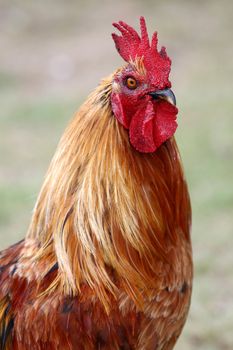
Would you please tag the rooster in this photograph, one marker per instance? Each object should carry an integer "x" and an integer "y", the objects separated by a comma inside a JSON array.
[{"x": 107, "y": 260}]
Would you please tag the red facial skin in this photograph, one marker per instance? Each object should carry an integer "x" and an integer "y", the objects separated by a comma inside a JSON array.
[{"x": 150, "y": 122}]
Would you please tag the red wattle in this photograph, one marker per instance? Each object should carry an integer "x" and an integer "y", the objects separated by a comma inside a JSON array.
[
  {"x": 165, "y": 123},
  {"x": 141, "y": 129},
  {"x": 152, "y": 125}
]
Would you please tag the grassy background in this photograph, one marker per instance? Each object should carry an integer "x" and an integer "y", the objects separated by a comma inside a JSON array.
[{"x": 53, "y": 53}]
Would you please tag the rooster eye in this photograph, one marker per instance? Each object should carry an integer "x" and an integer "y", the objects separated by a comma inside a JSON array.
[{"x": 131, "y": 83}]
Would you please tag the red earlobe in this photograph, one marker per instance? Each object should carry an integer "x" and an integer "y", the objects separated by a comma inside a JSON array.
[{"x": 118, "y": 110}]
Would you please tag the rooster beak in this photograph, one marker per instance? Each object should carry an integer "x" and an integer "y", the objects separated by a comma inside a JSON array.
[{"x": 166, "y": 94}]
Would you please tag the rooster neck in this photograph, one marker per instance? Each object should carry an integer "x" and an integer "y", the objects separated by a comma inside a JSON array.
[{"x": 104, "y": 205}]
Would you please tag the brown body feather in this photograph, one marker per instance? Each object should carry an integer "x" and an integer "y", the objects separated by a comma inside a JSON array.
[{"x": 107, "y": 260}]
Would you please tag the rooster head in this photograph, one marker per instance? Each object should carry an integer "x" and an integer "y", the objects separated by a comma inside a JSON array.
[{"x": 141, "y": 98}]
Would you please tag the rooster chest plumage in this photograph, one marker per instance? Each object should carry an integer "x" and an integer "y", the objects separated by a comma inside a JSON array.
[{"x": 32, "y": 318}]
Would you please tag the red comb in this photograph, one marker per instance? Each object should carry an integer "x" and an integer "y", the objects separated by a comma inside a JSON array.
[{"x": 130, "y": 46}]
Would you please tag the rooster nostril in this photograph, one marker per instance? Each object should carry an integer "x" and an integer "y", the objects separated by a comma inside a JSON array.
[{"x": 166, "y": 94}]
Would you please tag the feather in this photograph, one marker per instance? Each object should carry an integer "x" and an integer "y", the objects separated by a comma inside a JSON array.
[{"x": 107, "y": 260}]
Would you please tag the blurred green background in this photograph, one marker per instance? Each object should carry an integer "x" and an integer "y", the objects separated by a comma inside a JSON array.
[{"x": 53, "y": 53}]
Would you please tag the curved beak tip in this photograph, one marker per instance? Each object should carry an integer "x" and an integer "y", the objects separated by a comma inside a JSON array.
[{"x": 166, "y": 94}]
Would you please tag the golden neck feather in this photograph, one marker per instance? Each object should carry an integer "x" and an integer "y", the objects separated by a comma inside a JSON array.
[{"x": 104, "y": 205}]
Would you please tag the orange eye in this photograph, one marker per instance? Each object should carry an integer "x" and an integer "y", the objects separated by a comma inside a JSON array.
[{"x": 131, "y": 83}]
